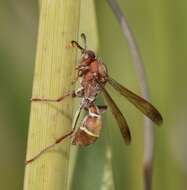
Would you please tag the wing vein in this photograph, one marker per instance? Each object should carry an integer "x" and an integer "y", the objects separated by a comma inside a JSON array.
[{"x": 143, "y": 105}]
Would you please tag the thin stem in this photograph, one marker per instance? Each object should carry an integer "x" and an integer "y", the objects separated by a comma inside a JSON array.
[{"x": 140, "y": 70}]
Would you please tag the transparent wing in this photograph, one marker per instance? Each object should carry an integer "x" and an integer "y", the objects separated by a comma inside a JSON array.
[
  {"x": 122, "y": 123},
  {"x": 144, "y": 106}
]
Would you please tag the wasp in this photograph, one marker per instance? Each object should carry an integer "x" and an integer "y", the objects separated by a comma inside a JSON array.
[{"x": 93, "y": 77}]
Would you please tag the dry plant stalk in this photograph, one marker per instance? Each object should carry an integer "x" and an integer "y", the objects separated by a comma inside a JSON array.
[
  {"x": 54, "y": 73},
  {"x": 140, "y": 70}
]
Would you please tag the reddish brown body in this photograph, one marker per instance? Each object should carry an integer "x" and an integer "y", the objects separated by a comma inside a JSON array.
[
  {"x": 90, "y": 128},
  {"x": 90, "y": 71}
]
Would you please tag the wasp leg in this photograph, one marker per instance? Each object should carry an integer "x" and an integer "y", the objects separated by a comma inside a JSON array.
[
  {"x": 102, "y": 108},
  {"x": 54, "y": 100},
  {"x": 79, "y": 92},
  {"x": 59, "y": 140},
  {"x": 50, "y": 146}
]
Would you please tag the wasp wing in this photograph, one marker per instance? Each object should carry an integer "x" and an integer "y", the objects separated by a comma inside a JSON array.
[
  {"x": 143, "y": 105},
  {"x": 122, "y": 123}
]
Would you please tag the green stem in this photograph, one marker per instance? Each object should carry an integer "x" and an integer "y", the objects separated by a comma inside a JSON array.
[{"x": 54, "y": 72}]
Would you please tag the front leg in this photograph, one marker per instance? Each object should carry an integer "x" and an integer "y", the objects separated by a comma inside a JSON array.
[
  {"x": 79, "y": 92},
  {"x": 82, "y": 69}
]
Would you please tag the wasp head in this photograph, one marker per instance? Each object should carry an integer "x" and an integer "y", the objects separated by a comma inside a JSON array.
[{"x": 88, "y": 55}]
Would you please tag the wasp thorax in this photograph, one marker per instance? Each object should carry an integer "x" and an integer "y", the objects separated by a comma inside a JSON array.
[{"x": 88, "y": 54}]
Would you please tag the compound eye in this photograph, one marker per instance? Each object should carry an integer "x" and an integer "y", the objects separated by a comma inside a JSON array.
[{"x": 86, "y": 56}]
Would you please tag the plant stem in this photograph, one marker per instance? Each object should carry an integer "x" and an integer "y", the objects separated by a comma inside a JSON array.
[
  {"x": 140, "y": 70},
  {"x": 54, "y": 73}
]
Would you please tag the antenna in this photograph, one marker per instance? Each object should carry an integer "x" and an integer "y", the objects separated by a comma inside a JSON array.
[{"x": 83, "y": 36}]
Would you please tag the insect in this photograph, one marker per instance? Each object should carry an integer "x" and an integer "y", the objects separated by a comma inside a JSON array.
[{"x": 93, "y": 76}]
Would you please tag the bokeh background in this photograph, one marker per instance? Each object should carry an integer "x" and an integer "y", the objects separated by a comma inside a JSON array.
[{"x": 160, "y": 28}]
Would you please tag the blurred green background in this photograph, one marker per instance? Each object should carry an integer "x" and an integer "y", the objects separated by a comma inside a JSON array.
[{"x": 160, "y": 28}]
